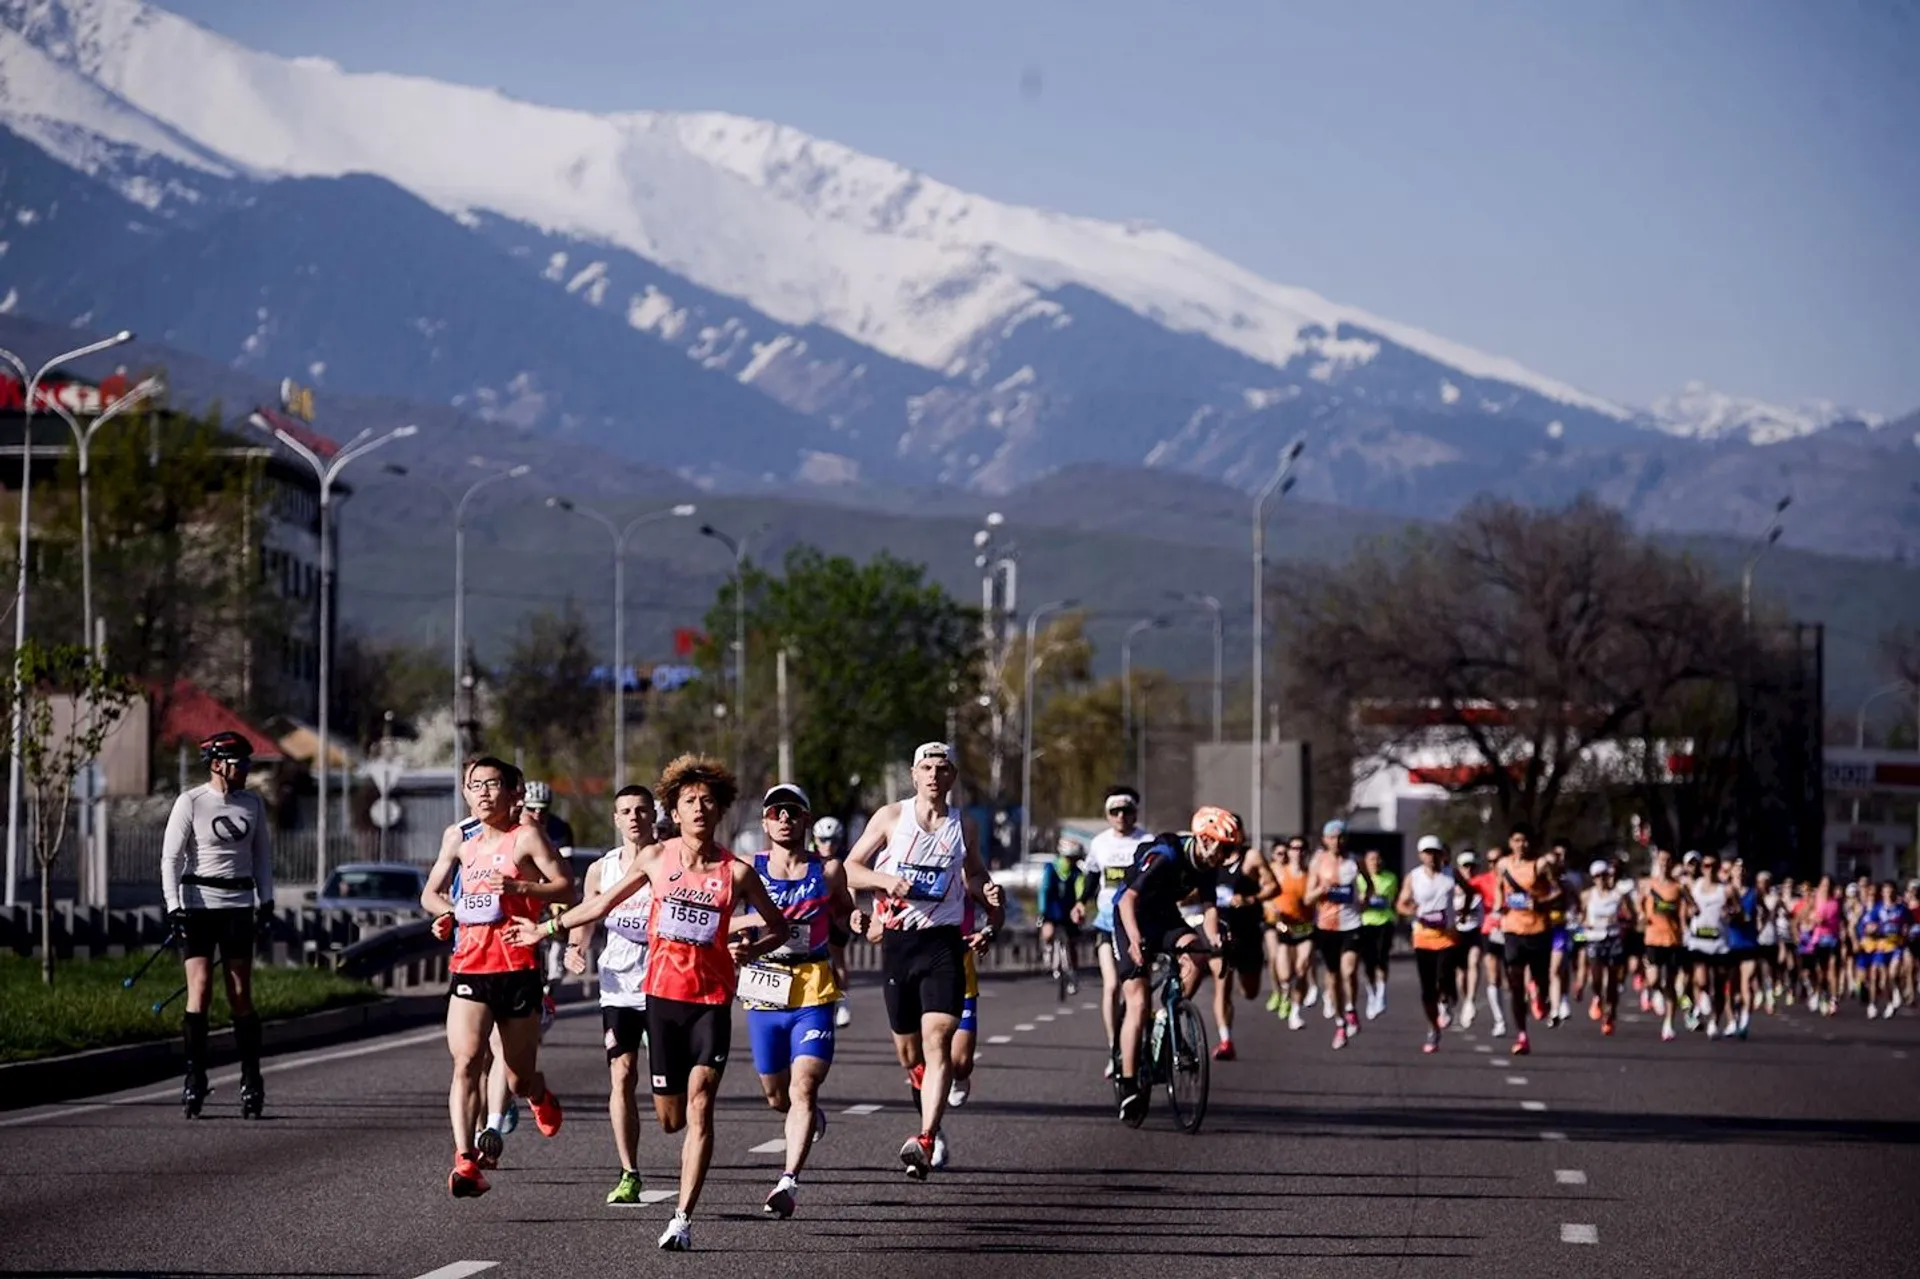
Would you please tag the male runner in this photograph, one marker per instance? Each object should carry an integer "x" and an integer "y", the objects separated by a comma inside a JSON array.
[
  {"x": 1335, "y": 889},
  {"x": 623, "y": 971},
  {"x": 830, "y": 841},
  {"x": 506, "y": 870},
  {"x": 1109, "y": 857},
  {"x": 1487, "y": 884},
  {"x": 1147, "y": 922},
  {"x": 1709, "y": 917},
  {"x": 691, "y": 978},
  {"x": 791, "y": 993},
  {"x": 1290, "y": 934},
  {"x": 1243, "y": 885},
  {"x": 1376, "y": 929},
  {"x": 1662, "y": 903},
  {"x": 216, "y": 874},
  {"x": 1605, "y": 907},
  {"x": 1062, "y": 903},
  {"x": 536, "y": 804},
  {"x": 1529, "y": 891},
  {"x": 923, "y": 865},
  {"x": 1469, "y": 918},
  {"x": 1427, "y": 898}
]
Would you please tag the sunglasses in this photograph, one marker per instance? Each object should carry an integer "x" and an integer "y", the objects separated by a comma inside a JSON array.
[
  {"x": 1124, "y": 808},
  {"x": 788, "y": 812}
]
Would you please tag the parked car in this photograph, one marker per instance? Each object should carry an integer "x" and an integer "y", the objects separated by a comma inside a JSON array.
[{"x": 392, "y": 887}]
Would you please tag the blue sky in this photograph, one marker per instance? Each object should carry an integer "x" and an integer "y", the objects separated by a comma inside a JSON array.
[{"x": 1625, "y": 195}]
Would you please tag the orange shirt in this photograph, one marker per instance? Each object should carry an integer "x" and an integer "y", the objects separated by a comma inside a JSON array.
[
  {"x": 1663, "y": 913},
  {"x": 688, "y": 960},
  {"x": 483, "y": 911},
  {"x": 1521, "y": 882},
  {"x": 1290, "y": 907}
]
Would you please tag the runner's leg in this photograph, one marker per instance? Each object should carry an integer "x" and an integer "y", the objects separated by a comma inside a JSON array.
[{"x": 468, "y": 1024}]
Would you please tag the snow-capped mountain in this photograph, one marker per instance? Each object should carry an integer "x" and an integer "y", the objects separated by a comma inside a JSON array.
[{"x": 735, "y": 298}]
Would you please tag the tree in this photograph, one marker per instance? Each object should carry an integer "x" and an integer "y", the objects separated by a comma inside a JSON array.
[
  {"x": 371, "y": 678},
  {"x": 68, "y": 706},
  {"x": 877, "y": 659},
  {"x": 549, "y": 703},
  {"x": 1523, "y": 645}
]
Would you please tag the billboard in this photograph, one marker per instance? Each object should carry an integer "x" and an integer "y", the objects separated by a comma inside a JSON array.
[{"x": 1223, "y": 775}]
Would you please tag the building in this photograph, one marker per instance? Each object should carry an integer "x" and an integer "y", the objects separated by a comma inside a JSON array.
[
  {"x": 1872, "y": 812},
  {"x": 276, "y": 669}
]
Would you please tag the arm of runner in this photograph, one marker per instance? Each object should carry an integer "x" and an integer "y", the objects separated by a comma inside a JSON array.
[
  {"x": 1264, "y": 876},
  {"x": 861, "y": 877},
  {"x": 581, "y": 936},
  {"x": 981, "y": 885},
  {"x": 556, "y": 884},
  {"x": 1403, "y": 906},
  {"x": 748, "y": 885},
  {"x": 433, "y": 898},
  {"x": 1316, "y": 884},
  {"x": 173, "y": 851},
  {"x": 839, "y": 896}
]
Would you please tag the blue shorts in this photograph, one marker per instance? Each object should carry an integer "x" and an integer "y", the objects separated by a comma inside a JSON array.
[
  {"x": 1559, "y": 941},
  {"x": 969, "y": 1015},
  {"x": 780, "y": 1035}
]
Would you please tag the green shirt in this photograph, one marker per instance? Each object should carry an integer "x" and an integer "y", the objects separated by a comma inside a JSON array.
[{"x": 1377, "y": 907}]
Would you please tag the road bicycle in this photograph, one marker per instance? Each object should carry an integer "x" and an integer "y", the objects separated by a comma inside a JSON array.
[
  {"x": 1175, "y": 1052},
  {"x": 1060, "y": 964}
]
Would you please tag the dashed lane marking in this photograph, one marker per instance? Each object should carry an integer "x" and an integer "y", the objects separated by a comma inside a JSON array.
[
  {"x": 459, "y": 1269},
  {"x": 1484, "y": 1048},
  {"x": 1065, "y": 1011},
  {"x": 1044, "y": 1017},
  {"x": 1518, "y": 1081},
  {"x": 1550, "y": 1135},
  {"x": 1090, "y": 1008},
  {"x": 864, "y": 1108},
  {"x": 1569, "y": 1177},
  {"x": 648, "y": 1198},
  {"x": 999, "y": 1039},
  {"x": 1025, "y": 1025},
  {"x": 1572, "y": 1232},
  {"x": 776, "y": 1146},
  {"x": 1535, "y": 1106}
]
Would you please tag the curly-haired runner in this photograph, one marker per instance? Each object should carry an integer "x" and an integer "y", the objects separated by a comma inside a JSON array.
[{"x": 691, "y": 975}]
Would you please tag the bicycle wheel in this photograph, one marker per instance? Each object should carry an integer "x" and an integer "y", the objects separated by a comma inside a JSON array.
[
  {"x": 1186, "y": 1051},
  {"x": 1063, "y": 968}
]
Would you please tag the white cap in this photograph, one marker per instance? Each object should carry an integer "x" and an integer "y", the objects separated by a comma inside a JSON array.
[
  {"x": 933, "y": 750},
  {"x": 1431, "y": 844},
  {"x": 785, "y": 793},
  {"x": 1601, "y": 866}
]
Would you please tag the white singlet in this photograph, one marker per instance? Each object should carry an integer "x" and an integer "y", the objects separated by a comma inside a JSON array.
[
  {"x": 1341, "y": 901},
  {"x": 1433, "y": 900},
  {"x": 1707, "y": 933},
  {"x": 1109, "y": 854},
  {"x": 623, "y": 962},
  {"x": 216, "y": 837},
  {"x": 1603, "y": 912},
  {"x": 933, "y": 863}
]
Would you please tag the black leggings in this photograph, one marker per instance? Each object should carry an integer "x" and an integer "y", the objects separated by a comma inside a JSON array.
[{"x": 1439, "y": 975}]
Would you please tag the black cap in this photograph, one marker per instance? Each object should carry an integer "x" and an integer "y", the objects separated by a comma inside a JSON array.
[{"x": 226, "y": 745}]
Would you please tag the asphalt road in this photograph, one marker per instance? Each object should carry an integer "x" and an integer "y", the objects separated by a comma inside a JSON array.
[{"x": 1794, "y": 1153}]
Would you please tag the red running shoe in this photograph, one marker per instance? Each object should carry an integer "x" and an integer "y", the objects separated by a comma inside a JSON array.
[
  {"x": 1223, "y": 1051},
  {"x": 466, "y": 1180},
  {"x": 546, "y": 1113},
  {"x": 917, "y": 1077},
  {"x": 1606, "y": 1027},
  {"x": 1520, "y": 1048}
]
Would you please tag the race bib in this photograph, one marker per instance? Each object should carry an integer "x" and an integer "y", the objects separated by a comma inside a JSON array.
[
  {"x": 1223, "y": 896},
  {"x": 1340, "y": 894},
  {"x": 1519, "y": 901},
  {"x": 1435, "y": 919},
  {"x": 1661, "y": 906},
  {"x": 1115, "y": 876},
  {"x": 1376, "y": 902},
  {"x": 1707, "y": 934},
  {"x": 927, "y": 883},
  {"x": 695, "y": 923},
  {"x": 481, "y": 905},
  {"x": 630, "y": 924},
  {"x": 765, "y": 984}
]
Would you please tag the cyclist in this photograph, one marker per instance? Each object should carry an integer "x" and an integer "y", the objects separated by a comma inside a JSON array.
[
  {"x": 216, "y": 875},
  {"x": 1063, "y": 894},
  {"x": 495, "y": 978},
  {"x": 1147, "y": 923},
  {"x": 623, "y": 975},
  {"x": 791, "y": 992},
  {"x": 923, "y": 865},
  {"x": 830, "y": 841},
  {"x": 1109, "y": 858},
  {"x": 691, "y": 961},
  {"x": 1376, "y": 929}
]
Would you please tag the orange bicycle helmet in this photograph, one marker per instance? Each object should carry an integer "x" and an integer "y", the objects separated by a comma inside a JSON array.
[{"x": 1220, "y": 826}]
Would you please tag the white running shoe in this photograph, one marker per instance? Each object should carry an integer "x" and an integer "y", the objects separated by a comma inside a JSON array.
[
  {"x": 1566, "y": 1009},
  {"x": 1466, "y": 1014},
  {"x": 1499, "y": 1028},
  {"x": 1667, "y": 1032},
  {"x": 939, "y": 1150},
  {"x": 1294, "y": 1020},
  {"x": 961, "y": 1089},
  {"x": 1660, "y": 1002},
  {"x": 1872, "y": 1012},
  {"x": 1713, "y": 1029},
  {"x": 1313, "y": 995},
  {"x": 679, "y": 1235},
  {"x": 844, "y": 1015}
]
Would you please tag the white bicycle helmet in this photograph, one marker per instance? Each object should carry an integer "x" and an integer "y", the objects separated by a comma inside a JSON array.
[
  {"x": 538, "y": 795},
  {"x": 827, "y": 830}
]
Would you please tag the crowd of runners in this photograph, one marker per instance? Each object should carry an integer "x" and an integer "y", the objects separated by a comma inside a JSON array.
[{"x": 689, "y": 928}]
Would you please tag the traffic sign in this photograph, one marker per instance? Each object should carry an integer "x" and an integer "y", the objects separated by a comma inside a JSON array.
[
  {"x": 383, "y": 773},
  {"x": 385, "y": 813}
]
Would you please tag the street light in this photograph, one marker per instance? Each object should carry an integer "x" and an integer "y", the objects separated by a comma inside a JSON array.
[
  {"x": 460, "y": 610},
  {"x": 997, "y": 563},
  {"x": 1026, "y": 726},
  {"x": 326, "y": 472},
  {"x": 1860, "y": 721},
  {"x": 14, "y": 761},
  {"x": 1767, "y": 538},
  {"x": 739, "y": 549},
  {"x": 1126, "y": 671},
  {"x": 1262, "y": 510},
  {"x": 620, "y": 537},
  {"x": 1212, "y": 605}
]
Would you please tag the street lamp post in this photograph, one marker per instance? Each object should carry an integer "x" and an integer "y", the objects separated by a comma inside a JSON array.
[
  {"x": 1026, "y": 725},
  {"x": 1767, "y": 538},
  {"x": 739, "y": 549},
  {"x": 1212, "y": 605},
  {"x": 1860, "y": 721},
  {"x": 15, "y": 762},
  {"x": 998, "y": 565},
  {"x": 1126, "y": 672},
  {"x": 326, "y": 471},
  {"x": 460, "y": 712},
  {"x": 620, "y": 537},
  {"x": 1275, "y": 489}
]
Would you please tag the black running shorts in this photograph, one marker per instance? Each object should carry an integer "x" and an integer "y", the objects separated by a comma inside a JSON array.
[
  {"x": 624, "y": 1027},
  {"x": 1533, "y": 952},
  {"x": 1610, "y": 952},
  {"x": 926, "y": 972},
  {"x": 681, "y": 1036},
  {"x": 1158, "y": 937},
  {"x": 1376, "y": 944},
  {"x": 507, "y": 995},
  {"x": 228, "y": 930},
  {"x": 1439, "y": 973},
  {"x": 1332, "y": 943}
]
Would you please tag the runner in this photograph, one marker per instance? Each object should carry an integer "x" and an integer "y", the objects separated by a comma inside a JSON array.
[
  {"x": 1663, "y": 903},
  {"x": 1743, "y": 946},
  {"x": 216, "y": 876},
  {"x": 1428, "y": 899},
  {"x": 1487, "y": 884},
  {"x": 830, "y": 841},
  {"x": 1064, "y": 890},
  {"x": 691, "y": 972},
  {"x": 1335, "y": 890},
  {"x": 1604, "y": 909},
  {"x": 495, "y": 979},
  {"x": 1148, "y": 923},
  {"x": 1529, "y": 892},
  {"x": 1823, "y": 926},
  {"x": 623, "y": 972},
  {"x": 1882, "y": 933},
  {"x": 1708, "y": 916},
  {"x": 923, "y": 865},
  {"x": 1243, "y": 884},
  {"x": 1559, "y": 1004},
  {"x": 1376, "y": 930},
  {"x": 1290, "y": 935},
  {"x": 1109, "y": 857},
  {"x": 791, "y": 993},
  {"x": 1470, "y": 919}
]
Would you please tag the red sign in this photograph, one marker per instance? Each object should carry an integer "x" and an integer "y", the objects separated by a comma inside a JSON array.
[
  {"x": 685, "y": 640},
  {"x": 320, "y": 444},
  {"x": 82, "y": 399}
]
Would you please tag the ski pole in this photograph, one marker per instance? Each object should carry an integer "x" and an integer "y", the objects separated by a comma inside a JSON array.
[{"x": 128, "y": 983}]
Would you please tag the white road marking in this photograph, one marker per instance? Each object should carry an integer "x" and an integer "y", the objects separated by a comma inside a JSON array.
[
  {"x": 1518, "y": 1081},
  {"x": 864, "y": 1108},
  {"x": 1484, "y": 1048},
  {"x": 1535, "y": 1106},
  {"x": 294, "y": 1062},
  {"x": 648, "y": 1198},
  {"x": 1066, "y": 1012},
  {"x": 1553, "y": 1136},
  {"x": 1094, "y": 1008},
  {"x": 1044, "y": 1017},
  {"x": 1569, "y": 1177},
  {"x": 459, "y": 1270},
  {"x": 777, "y": 1145},
  {"x": 999, "y": 1039},
  {"x": 1899, "y": 1054},
  {"x": 1571, "y": 1232},
  {"x": 1025, "y": 1025}
]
